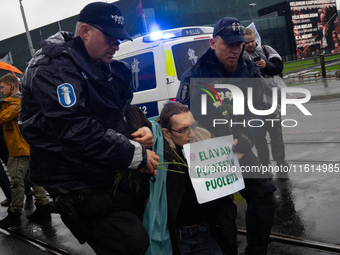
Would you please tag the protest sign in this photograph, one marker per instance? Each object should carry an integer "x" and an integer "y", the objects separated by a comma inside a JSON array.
[{"x": 214, "y": 169}]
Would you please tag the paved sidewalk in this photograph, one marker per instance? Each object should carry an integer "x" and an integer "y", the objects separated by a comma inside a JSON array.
[{"x": 320, "y": 92}]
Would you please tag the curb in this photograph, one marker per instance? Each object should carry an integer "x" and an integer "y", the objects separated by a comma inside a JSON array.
[
  {"x": 322, "y": 96},
  {"x": 325, "y": 96}
]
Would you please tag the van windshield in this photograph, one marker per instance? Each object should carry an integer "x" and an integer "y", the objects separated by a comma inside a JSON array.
[{"x": 187, "y": 54}]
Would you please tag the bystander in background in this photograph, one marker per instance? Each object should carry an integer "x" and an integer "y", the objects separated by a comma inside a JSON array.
[
  {"x": 270, "y": 64},
  {"x": 18, "y": 161}
]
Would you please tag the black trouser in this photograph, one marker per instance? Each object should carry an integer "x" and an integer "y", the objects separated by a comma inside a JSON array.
[
  {"x": 258, "y": 193},
  {"x": 113, "y": 227},
  {"x": 276, "y": 141},
  {"x": 118, "y": 233}
]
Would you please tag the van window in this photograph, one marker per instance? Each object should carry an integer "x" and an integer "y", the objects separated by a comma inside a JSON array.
[
  {"x": 187, "y": 54},
  {"x": 143, "y": 71}
]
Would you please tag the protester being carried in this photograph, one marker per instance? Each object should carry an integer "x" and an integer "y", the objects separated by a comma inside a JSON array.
[{"x": 213, "y": 223}]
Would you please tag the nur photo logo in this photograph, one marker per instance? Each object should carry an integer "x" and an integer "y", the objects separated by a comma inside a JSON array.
[{"x": 231, "y": 100}]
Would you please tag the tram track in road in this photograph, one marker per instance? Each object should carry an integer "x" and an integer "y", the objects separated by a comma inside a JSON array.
[
  {"x": 300, "y": 242},
  {"x": 289, "y": 241},
  {"x": 41, "y": 245},
  {"x": 49, "y": 249}
]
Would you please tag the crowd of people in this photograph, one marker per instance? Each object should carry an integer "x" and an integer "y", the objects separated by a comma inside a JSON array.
[{"x": 78, "y": 138}]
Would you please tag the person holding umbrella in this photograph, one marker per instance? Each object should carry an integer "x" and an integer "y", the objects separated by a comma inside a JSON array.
[{"x": 6, "y": 68}]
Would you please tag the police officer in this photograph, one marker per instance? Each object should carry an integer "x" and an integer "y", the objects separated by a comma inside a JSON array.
[
  {"x": 74, "y": 117},
  {"x": 224, "y": 60}
]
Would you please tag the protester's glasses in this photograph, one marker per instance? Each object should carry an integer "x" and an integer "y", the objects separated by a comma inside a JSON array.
[
  {"x": 231, "y": 30},
  {"x": 185, "y": 130},
  {"x": 115, "y": 42}
]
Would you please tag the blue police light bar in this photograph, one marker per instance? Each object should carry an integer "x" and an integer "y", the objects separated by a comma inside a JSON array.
[
  {"x": 154, "y": 36},
  {"x": 158, "y": 35},
  {"x": 168, "y": 36},
  {"x": 175, "y": 33}
]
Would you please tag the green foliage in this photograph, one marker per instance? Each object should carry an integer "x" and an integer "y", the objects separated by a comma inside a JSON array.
[
  {"x": 130, "y": 177},
  {"x": 329, "y": 68},
  {"x": 296, "y": 65}
]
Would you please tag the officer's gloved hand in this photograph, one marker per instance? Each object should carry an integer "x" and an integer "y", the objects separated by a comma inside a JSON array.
[{"x": 243, "y": 145}]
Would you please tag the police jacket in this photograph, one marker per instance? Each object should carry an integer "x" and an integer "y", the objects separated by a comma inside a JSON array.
[
  {"x": 15, "y": 143},
  {"x": 208, "y": 66},
  {"x": 222, "y": 212},
  {"x": 73, "y": 117}
]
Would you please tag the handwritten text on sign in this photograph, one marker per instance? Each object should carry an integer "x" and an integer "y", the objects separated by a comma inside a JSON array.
[{"x": 214, "y": 169}]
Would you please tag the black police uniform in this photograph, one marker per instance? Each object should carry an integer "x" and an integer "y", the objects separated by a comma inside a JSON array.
[
  {"x": 259, "y": 189},
  {"x": 74, "y": 118}
]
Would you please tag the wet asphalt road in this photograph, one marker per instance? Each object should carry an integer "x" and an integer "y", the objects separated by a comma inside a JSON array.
[{"x": 307, "y": 204}]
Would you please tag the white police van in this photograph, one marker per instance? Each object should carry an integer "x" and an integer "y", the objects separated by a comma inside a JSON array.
[{"x": 158, "y": 60}]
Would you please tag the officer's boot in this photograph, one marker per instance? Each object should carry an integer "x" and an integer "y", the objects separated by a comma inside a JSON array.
[
  {"x": 12, "y": 220},
  {"x": 39, "y": 213}
]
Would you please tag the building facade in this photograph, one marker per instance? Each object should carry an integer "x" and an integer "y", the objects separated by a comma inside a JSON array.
[{"x": 271, "y": 17}]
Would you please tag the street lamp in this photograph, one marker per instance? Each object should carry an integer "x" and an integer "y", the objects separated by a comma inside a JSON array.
[
  {"x": 251, "y": 5},
  {"x": 27, "y": 31}
]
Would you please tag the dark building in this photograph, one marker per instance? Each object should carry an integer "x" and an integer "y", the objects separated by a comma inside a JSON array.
[
  {"x": 271, "y": 17},
  {"x": 313, "y": 26}
]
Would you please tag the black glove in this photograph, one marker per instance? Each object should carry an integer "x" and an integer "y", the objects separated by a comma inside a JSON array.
[{"x": 243, "y": 145}]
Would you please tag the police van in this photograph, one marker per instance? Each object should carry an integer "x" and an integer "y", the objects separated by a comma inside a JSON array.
[{"x": 158, "y": 60}]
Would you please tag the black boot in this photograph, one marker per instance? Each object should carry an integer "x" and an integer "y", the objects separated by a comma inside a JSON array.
[
  {"x": 39, "y": 213},
  {"x": 12, "y": 220}
]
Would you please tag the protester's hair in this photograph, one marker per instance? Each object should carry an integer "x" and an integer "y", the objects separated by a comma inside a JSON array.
[
  {"x": 249, "y": 31},
  {"x": 170, "y": 109},
  {"x": 10, "y": 79}
]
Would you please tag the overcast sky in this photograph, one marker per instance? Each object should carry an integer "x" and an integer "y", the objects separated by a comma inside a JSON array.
[{"x": 40, "y": 12}]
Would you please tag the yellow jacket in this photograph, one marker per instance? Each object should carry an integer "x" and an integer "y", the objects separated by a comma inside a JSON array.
[{"x": 9, "y": 114}]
